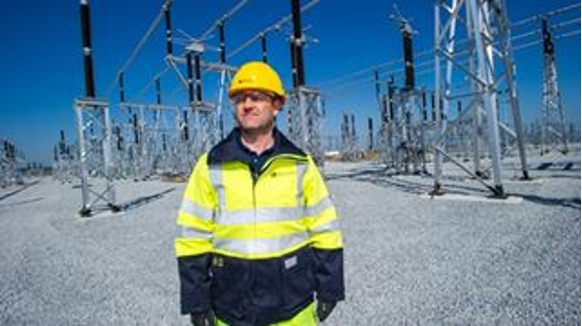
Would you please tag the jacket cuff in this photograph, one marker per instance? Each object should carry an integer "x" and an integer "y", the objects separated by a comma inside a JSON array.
[
  {"x": 195, "y": 283},
  {"x": 329, "y": 274}
]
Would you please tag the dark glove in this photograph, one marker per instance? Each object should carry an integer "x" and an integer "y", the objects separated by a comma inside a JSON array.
[
  {"x": 205, "y": 318},
  {"x": 324, "y": 309}
]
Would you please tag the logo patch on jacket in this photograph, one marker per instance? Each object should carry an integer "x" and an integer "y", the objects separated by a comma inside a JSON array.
[
  {"x": 217, "y": 262},
  {"x": 290, "y": 262}
]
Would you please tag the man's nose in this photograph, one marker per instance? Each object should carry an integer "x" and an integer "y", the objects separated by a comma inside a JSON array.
[{"x": 248, "y": 103}]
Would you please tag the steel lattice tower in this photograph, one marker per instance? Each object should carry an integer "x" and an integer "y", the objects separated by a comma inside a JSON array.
[
  {"x": 485, "y": 61},
  {"x": 305, "y": 108},
  {"x": 305, "y": 118},
  {"x": 553, "y": 130},
  {"x": 94, "y": 135}
]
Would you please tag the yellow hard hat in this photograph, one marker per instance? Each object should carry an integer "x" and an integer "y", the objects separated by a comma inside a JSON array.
[{"x": 259, "y": 76}]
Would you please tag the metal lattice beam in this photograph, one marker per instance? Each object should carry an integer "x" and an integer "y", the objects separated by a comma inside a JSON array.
[
  {"x": 305, "y": 119},
  {"x": 97, "y": 171},
  {"x": 488, "y": 67}
]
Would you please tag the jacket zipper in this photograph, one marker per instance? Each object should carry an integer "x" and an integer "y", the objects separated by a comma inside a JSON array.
[
  {"x": 251, "y": 267},
  {"x": 255, "y": 175}
]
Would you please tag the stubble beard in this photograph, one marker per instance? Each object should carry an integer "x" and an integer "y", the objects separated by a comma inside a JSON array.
[{"x": 261, "y": 128}]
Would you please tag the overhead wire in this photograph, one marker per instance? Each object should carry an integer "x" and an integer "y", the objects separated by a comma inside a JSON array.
[
  {"x": 203, "y": 36},
  {"x": 138, "y": 47},
  {"x": 371, "y": 79},
  {"x": 276, "y": 26},
  {"x": 273, "y": 27},
  {"x": 340, "y": 80}
]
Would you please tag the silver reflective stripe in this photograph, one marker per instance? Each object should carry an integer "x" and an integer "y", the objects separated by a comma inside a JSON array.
[
  {"x": 216, "y": 180},
  {"x": 194, "y": 233},
  {"x": 330, "y": 226},
  {"x": 259, "y": 215},
  {"x": 318, "y": 208},
  {"x": 192, "y": 208},
  {"x": 301, "y": 169},
  {"x": 260, "y": 246}
]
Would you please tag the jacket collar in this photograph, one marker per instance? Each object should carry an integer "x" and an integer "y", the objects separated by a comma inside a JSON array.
[{"x": 231, "y": 148}]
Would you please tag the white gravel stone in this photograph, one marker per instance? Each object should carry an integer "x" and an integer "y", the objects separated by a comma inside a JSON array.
[{"x": 408, "y": 260}]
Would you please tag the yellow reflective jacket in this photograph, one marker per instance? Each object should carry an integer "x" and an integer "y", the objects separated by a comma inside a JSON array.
[{"x": 257, "y": 246}]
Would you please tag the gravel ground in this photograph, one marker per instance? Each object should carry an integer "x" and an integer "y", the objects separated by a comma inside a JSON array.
[{"x": 408, "y": 259}]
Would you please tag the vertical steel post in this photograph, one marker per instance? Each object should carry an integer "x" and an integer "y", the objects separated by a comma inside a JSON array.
[
  {"x": 370, "y": 135},
  {"x": 168, "y": 19},
  {"x": 437, "y": 188},
  {"x": 297, "y": 43},
  {"x": 222, "y": 42},
  {"x": 264, "y": 47},
  {"x": 87, "y": 49},
  {"x": 484, "y": 49},
  {"x": 190, "y": 77},
  {"x": 198, "y": 76},
  {"x": 121, "y": 88},
  {"x": 158, "y": 91},
  {"x": 85, "y": 210}
]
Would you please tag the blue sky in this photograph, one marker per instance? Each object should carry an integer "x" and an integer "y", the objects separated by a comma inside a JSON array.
[{"x": 42, "y": 71}]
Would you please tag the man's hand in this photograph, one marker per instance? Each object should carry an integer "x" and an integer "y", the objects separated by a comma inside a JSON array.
[
  {"x": 202, "y": 318},
  {"x": 324, "y": 309}
]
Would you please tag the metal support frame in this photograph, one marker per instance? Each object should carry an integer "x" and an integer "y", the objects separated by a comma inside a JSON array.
[
  {"x": 207, "y": 117},
  {"x": 157, "y": 141},
  {"x": 386, "y": 128},
  {"x": 206, "y": 128},
  {"x": 487, "y": 30},
  {"x": 12, "y": 164},
  {"x": 305, "y": 110},
  {"x": 402, "y": 128},
  {"x": 65, "y": 164},
  {"x": 132, "y": 158},
  {"x": 553, "y": 134},
  {"x": 94, "y": 143},
  {"x": 166, "y": 140},
  {"x": 350, "y": 149},
  {"x": 161, "y": 137},
  {"x": 403, "y": 131}
]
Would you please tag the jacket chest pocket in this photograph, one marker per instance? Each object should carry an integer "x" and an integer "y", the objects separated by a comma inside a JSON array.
[{"x": 278, "y": 188}]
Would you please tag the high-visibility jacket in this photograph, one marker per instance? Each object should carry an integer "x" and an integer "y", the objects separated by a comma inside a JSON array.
[{"x": 257, "y": 247}]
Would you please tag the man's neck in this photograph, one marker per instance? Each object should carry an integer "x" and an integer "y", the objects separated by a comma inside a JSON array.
[{"x": 258, "y": 142}]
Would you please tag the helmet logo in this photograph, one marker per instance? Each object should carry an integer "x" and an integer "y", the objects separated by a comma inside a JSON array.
[{"x": 245, "y": 80}]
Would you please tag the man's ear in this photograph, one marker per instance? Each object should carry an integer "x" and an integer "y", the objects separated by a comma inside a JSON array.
[{"x": 278, "y": 105}]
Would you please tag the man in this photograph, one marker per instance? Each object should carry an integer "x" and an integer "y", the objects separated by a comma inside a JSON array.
[{"x": 260, "y": 239}]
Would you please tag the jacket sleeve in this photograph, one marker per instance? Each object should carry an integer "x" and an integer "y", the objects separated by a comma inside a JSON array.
[
  {"x": 325, "y": 235},
  {"x": 193, "y": 245}
]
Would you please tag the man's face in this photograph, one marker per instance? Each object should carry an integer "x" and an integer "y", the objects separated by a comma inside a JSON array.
[{"x": 255, "y": 110}]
